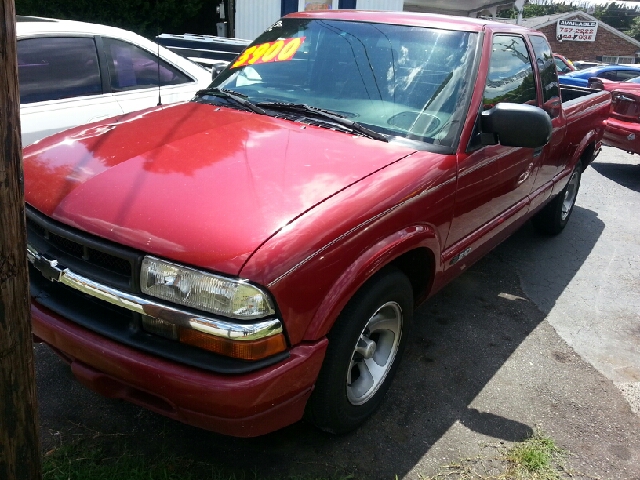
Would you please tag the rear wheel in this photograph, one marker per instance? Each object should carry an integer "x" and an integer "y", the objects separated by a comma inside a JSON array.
[
  {"x": 554, "y": 216},
  {"x": 365, "y": 346}
]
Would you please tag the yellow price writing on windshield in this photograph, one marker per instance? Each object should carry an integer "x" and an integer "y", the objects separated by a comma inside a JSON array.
[{"x": 278, "y": 51}]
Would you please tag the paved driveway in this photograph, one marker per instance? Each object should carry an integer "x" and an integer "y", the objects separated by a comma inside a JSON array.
[
  {"x": 542, "y": 332},
  {"x": 595, "y": 305}
]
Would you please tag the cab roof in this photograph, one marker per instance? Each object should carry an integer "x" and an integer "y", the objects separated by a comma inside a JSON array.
[{"x": 447, "y": 22}]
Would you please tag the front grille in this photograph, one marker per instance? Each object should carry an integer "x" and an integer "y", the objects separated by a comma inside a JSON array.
[
  {"x": 90, "y": 255},
  {"x": 87, "y": 255},
  {"x": 66, "y": 245},
  {"x": 109, "y": 262},
  {"x": 117, "y": 266}
]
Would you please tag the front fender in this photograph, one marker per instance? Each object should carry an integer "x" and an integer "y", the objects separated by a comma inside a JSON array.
[
  {"x": 379, "y": 255},
  {"x": 315, "y": 264}
]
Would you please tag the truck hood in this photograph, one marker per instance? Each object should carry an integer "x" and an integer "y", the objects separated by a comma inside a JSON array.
[{"x": 199, "y": 184}]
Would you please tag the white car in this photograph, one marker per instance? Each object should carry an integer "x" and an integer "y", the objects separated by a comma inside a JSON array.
[{"x": 72, "y": 73}]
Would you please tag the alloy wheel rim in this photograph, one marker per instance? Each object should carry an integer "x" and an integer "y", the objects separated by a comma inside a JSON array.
[
  {"x": 374, "y": 353},
  {"x": 570, "y": 194}
]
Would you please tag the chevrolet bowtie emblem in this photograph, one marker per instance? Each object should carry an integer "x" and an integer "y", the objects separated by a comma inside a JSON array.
[{"x": 50, "y": 269}]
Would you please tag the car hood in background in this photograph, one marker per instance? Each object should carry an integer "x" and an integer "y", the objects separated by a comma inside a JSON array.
[{"x": 196, "y": 183}]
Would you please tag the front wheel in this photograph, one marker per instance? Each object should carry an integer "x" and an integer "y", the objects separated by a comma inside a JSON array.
[
  {"x": 365, "y": 346},
  {"x": 554, "y": 216}
]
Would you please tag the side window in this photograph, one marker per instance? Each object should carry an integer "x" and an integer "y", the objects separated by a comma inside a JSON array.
[
  {"x": 623, "y": 75},
  {"x": 510, "y": 76},
  {"x": 560, "y": 65},
  {"x": 548, "y": 74},
  {"x": 609, "y": 75},
  {"x": 59, "y": 67},
  {"x": 131, "y": 67}
]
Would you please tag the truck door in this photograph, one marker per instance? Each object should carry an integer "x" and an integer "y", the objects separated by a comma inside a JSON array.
[
  {"x": 494, "y": 181},
  {"x": 553, "y": 157}
]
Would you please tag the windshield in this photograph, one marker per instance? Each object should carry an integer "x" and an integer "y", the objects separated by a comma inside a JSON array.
[{"x": 400, "y": 81}]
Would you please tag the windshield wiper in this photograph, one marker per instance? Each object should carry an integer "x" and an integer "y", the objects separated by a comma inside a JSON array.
[
  {"x": 333, "y": 117},
  {"x": 235, "y": 97}
]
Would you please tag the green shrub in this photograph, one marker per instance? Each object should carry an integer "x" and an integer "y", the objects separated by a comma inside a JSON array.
[{"x": 145, "y": 17}]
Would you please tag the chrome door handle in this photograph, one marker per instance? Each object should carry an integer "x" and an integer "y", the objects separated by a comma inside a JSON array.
[{"x": 523, "y": 177}]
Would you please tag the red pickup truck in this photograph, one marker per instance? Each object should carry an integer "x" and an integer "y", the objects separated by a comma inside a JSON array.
[{"x": 255, "y": 255}]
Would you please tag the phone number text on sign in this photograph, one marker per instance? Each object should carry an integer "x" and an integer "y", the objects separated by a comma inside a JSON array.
[
  {"x": 278, "y": 51},
  {"x": 576, "y": 31}
]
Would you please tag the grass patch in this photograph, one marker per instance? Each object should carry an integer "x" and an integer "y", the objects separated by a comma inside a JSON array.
[
  {"x": 536, "y": 458},
  {"x": 74, "y": 462},
  {"x": 88, "y": 462}
]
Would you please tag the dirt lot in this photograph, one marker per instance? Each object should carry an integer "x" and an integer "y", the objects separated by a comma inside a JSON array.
[{"x": 497, "y": 353}]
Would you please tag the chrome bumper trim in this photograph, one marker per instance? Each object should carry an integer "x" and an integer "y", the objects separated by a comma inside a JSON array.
[{"x": 53, "y": 271}]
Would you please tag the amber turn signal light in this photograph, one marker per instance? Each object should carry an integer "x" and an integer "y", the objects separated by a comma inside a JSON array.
[{"x": 245, "y": 350}]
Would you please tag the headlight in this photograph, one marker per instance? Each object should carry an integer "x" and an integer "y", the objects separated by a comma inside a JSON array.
[{"x": 203, "y": 291}]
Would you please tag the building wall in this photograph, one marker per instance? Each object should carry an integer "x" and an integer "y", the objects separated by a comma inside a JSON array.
[
  {"x": 387, "y": 5},
  {"x": 253, "y": 17},
  {"x": 606, "y": 43}
]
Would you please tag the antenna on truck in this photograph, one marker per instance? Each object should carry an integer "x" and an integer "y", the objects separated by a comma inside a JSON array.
[
  {"x": 158, "y": 51},
  {"x": 158, "y": 63}
]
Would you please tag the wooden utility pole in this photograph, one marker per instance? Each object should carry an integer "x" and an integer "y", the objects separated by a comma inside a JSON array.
[{"x": 19, "y": 440}]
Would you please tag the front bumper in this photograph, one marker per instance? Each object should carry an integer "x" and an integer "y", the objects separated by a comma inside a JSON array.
[{"x": 244, "y": 405}]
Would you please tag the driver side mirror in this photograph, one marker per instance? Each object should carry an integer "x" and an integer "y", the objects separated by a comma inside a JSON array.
[{"x": 515, "y": 125}]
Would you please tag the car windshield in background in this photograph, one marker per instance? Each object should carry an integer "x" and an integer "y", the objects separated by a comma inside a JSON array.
[{"x": 409, "y": 82}]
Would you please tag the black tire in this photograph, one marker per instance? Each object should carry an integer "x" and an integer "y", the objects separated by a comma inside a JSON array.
[
  {"x": 340, "y": 402},
  {"x": 552, "y": 219}
]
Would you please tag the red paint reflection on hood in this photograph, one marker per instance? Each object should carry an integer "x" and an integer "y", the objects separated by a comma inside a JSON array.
[{"x": 196, "y": 183}]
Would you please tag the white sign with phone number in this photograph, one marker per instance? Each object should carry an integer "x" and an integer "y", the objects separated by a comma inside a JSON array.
[{"x": 576, "y": 31}]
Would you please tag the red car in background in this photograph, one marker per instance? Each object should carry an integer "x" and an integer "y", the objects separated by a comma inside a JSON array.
[
  {"x": 623, "y": 125},
  {"x": 631, "y": 84}
]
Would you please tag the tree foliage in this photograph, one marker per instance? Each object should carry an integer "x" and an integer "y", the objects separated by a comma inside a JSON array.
[
  {"x": 617, "y": 15},
  {"x": 634, "y": 29},
  {"x": 146, "y": 17},
  {"x": 534, "y": 10}
]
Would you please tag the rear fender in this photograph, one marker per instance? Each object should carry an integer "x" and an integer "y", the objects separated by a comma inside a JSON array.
[
  {"x": 383, "y": 253},
  {"x": 590, "y": 140}
]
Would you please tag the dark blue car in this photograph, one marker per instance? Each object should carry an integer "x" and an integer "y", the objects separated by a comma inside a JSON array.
[{"x": 616, "y": 73}]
